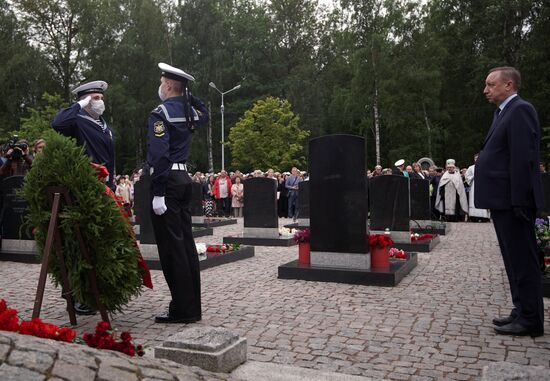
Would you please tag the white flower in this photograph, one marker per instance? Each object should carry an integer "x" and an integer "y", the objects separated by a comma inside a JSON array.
[{"x": 201, "y": 247}]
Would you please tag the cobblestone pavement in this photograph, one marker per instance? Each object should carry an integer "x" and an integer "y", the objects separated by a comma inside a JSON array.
[{"x": 436, "y": 324}]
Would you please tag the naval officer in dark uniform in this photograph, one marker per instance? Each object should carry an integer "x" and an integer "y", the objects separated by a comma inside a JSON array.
[
  {"x": 83, "y": 121},
  {"x": 169, "y": 135}
]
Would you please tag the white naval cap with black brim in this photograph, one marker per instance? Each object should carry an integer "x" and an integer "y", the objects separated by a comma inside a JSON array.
[
  {"x": 90, "y": 87},
  {"x": 174, "y": 73}
]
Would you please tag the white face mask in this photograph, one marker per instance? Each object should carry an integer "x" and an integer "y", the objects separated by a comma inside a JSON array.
[
  {"x": 161, "y": 94},
  {"x": 98, "y": 107}
]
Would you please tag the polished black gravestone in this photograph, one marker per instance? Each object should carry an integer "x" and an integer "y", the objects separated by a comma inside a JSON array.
[
  {"x": 14, "y": 209},
  {"x": 421, "y": 212},
  {"x": 338, "y": 218},
  {"x": 544, "y": 212},
  {"x": 16, "y": 237},
  {"x": 195, "y": 205},
  {"x": 420, "y": 200},
  {"x": 260, "y": 219},
  {"x": 390, "y": 208},
  {"x": 338, "y": 206},
  {"x": 303, "y": 207}
]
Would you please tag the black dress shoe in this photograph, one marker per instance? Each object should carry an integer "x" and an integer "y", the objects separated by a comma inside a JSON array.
[
  {"x": 500, "y": 321},
  {"x": 82, "y": 309},
  {"x": 517, "y": 329},
  {"x": 167, "y": 318}
]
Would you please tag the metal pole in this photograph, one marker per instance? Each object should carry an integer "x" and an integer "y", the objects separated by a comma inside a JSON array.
[
  {"x": 209, "y": 140},
  {"x": 223, "y": 139}
]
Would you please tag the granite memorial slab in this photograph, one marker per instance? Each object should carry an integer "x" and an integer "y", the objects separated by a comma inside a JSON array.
[
  {"x": 260, "y": 219},
  {"x": 390, "y": 206},
  {"x": 206, "y": 261},
  {"x": 371, "y": 277},
  {"x": 421, "y": 211},
  {"x": 16, "y": 237},
  {"x": 338, "y": 218},
  {"x": 420, "y": 199},
  {"x": 196, "y": 205},
  {"x": 338, "y": 206},
  {"x": 432, "y": 227},
  {"x": 14, "y": 209},
  {"x": 213, "y": 349}
]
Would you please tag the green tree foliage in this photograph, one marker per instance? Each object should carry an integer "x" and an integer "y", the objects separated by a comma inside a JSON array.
[
  {"x": 23, "y": 72},
  {"x": 268, "y": 136},
  {"x": 413, "y": 68},
  {"x": 36, "y": 125}
]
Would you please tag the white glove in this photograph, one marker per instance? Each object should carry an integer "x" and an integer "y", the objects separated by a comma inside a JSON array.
[
  {"x": 84, "y": 102},
  {"x": 159, "y": 206}
]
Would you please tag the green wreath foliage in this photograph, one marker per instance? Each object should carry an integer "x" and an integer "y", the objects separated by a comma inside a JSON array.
[{"x": 104, "y": 229}]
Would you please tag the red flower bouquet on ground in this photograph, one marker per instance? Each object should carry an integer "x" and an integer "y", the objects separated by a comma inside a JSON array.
[
  {"x": 103, "y": 338},
  {"x": 397, "y": 254},
  {"x": 421, "y": 237}
]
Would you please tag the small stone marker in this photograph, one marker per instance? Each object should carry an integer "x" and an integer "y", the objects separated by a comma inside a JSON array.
[{"x": 213, "y": 349}]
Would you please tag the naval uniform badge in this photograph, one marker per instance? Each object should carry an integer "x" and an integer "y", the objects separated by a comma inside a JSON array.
[{"x": 158, "y": 129}]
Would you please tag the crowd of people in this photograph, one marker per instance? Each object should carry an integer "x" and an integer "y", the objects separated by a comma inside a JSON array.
[{"x": 223, "y": 193}]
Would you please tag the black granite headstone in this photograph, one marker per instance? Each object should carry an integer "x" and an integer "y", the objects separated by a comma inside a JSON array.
[
  {"x": 195, "y": 205},
  {"x": 420, "y": 199},
  {"x": 338, "y": 204},
  {"x": 260, "y": 203},
  {"x": 303, "y": 199},
  {"x": 14, "y": 209},
  {"x": 389, "y": 203},
  {"x": 545, "y": 211},
  {"x": 142, "y": 207}
]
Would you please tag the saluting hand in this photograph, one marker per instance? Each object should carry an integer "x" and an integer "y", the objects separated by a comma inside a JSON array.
[
  {"x": 84, "y": 102},
  {"x": 159, "y": 206}
]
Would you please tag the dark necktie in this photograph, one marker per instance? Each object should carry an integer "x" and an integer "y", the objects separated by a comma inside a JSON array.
[{"x": 497, "y": 112}]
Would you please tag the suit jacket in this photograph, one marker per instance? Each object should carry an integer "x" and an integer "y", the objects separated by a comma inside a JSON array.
[{"x": 507, "y": 170}]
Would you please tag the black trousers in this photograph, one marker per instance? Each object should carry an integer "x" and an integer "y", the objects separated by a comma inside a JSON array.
[
  {"x": 176, "y": 247},
  {"x": 518, "y": 246},
  {"x": 224, "y": 207}
]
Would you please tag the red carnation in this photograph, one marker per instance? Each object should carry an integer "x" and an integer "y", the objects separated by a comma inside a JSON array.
[
  {"x": 67, "y": 334},
  {"x": 125, "y": 336},
  {"x": 102, "y": 327}
]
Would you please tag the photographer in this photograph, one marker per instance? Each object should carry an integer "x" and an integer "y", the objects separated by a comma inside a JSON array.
[{"x": 18, "y": 161}]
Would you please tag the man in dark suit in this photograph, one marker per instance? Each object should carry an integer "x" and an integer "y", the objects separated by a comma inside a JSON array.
[{"x": 508, "y": 182}]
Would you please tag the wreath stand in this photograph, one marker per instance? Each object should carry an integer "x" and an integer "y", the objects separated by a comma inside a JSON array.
[{"x": 55, "y": 195}]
